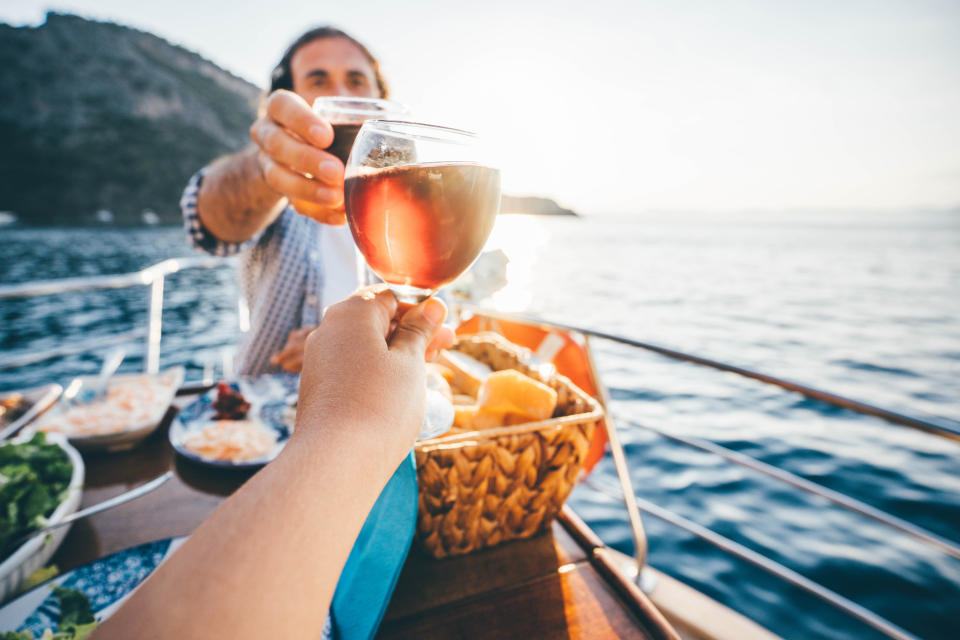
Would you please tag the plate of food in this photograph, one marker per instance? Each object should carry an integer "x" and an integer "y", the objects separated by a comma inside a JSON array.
[
  {"x": 131, "y": 409},
  {"x": 77, "y": 601},
  {"x": 43, "y": 483},
  {"x": 18, "y": 408},
  {"x": 241, "y": 424}
]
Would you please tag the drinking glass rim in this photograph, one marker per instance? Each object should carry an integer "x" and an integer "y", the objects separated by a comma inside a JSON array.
[
  {"x": 452, "y": 133},
  {"x": 390, "y": 106}
]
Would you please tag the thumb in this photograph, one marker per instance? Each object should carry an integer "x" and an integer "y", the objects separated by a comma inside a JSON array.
[{"x": 418, "y": 326}]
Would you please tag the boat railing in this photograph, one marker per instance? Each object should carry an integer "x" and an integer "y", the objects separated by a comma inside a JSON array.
[
  {"x": 932, "y": 424},
  {"x": 154, "y": 276},
  {"x": 768, "y": 565},
  {"x": 937, "y": 426}
]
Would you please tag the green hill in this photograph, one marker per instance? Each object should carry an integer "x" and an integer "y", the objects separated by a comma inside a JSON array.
[{"x": 99, "y": 116}]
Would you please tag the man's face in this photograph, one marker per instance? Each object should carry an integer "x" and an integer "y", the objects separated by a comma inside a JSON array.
[{"x": 332, "y": 67}]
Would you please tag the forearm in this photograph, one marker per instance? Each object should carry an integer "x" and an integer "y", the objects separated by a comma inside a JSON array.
[
  {"x": 234, "y": 201},
  {"x": 267, "y": 562},
  {"x": 237, "y": 576}
]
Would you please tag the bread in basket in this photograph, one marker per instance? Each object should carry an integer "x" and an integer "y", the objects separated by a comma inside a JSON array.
[{"x": 481, "y": 488}]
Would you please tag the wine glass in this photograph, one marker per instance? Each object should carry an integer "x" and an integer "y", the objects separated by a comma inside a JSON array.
[
  {"x": 346, "y": 115},
  {"x": 421, "y": 200}
]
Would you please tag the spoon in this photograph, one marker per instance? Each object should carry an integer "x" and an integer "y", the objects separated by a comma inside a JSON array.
[
  {"x": 110, "y": 365},
  {"x": 142, "y": 490},
  {"x": 75, "y": 393}
]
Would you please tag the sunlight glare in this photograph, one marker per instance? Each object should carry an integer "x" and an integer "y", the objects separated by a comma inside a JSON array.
[{"x": 522, "y": 238}]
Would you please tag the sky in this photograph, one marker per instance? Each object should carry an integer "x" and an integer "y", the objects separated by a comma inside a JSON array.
[{"x": 628, "y": 106}]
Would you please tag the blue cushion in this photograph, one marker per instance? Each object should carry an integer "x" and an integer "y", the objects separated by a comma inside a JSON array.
[{"x": 371, "y": 572}]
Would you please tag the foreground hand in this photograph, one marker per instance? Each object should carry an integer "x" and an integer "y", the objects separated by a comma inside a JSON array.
[
  {"x": 357, "y": 373},
  {"x": 290, "y": 358},
  {"x": 291, "y": 139}
]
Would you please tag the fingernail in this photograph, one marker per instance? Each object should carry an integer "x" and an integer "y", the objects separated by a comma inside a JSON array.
[
  {"x": 434, "y": 311},
  {"x": 330, "y": 171},
  {"x": 319, "y": 134},
  {"x": 329, "y": 197}
]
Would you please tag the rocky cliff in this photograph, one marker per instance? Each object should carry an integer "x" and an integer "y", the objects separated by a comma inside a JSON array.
[{"x": 100, "y": 117}]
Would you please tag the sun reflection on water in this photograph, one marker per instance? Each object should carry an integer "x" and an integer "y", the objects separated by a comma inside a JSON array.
[{"x": 522, "y": 238}]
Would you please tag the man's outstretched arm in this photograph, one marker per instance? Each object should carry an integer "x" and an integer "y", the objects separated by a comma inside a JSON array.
[{"x": 243, "y": 193}]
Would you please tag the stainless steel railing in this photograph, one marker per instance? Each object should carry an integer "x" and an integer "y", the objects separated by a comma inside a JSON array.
[
  {"x": 619, "y": 456},
  {"x": 152, "y": 276},
  {"x": 786, "y": 574},
  {"x": 936, "y": 425},
  {"x": 840, "y": 499},
  {"x": 941, "y": 427}
]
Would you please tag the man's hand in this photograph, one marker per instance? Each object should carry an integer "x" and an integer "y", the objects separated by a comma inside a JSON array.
[
  {"x": 290, "y": 358},
  {"x": 291, "y": 139}
]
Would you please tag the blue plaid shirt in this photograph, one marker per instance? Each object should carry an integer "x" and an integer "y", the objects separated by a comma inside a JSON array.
[{"x": 282, "y": 274}]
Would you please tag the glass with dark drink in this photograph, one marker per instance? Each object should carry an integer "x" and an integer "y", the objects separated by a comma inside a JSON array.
[
  {"x": 347, "y": 114},
  {"x": 421, "y": 201}
]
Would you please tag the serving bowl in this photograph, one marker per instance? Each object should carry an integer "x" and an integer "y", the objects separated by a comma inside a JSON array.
[
  {"x": 37, "y": 551},
  {"x": 131, "y": 434}
]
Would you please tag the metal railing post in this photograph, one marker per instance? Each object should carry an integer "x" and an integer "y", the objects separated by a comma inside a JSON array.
[
  {"x": 623, "y": 473},
  {"x": 151, "y": 361},
  {"x": 772, "y": 567}
]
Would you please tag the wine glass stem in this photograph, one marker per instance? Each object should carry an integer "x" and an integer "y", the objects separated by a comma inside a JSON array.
[{"x": 410, "y": 295}]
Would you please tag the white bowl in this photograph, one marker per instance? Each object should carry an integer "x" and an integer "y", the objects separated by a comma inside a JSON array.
[
  {"x": 37, "y": 551},
  {"x": 132, "y": 434}
]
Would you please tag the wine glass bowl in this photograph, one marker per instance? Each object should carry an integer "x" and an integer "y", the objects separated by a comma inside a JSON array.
[{"x": 421, "y": 201}]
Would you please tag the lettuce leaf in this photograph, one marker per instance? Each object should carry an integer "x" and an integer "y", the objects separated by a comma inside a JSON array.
[
  {"x": 74, "y": 607},
  {"x": 76, "y": 619},
  {"x": 34, "y": 477}
]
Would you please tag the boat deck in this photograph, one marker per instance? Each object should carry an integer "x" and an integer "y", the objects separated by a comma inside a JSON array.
[{"x": 556, "y": 585}]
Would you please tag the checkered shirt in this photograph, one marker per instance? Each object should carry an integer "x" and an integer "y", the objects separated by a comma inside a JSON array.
[{"x": 281, "y": 276}]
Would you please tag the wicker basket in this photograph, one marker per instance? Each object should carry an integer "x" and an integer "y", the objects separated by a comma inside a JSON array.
[{"x": 481, "y": 488}]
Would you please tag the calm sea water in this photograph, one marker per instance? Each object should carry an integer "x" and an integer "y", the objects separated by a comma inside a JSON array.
[{"x": 863, "y": 305}]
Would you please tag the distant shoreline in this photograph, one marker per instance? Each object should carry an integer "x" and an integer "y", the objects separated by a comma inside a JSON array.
[
  {"x": 509, "y": 205},
  {"x": 533, "y": 205}
]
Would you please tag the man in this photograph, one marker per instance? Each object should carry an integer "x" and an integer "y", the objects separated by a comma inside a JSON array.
[{"x": 279, "y": 203}]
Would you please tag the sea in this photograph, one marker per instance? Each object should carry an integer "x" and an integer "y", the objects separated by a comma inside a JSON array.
[{"x": 863, "y": 304}]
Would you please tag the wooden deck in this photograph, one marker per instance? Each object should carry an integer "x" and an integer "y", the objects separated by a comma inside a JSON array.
[
  {"x": 552, "y": 586},
  {"x": 556, "y": 585}
]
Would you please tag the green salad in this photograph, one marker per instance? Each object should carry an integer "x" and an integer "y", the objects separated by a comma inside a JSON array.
[
  {"x": 34, "y": 478},
  {"x": 76, "y": 619}
]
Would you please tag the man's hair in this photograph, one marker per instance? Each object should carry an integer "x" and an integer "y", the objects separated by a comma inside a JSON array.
[{"x": 282, "y": 76}]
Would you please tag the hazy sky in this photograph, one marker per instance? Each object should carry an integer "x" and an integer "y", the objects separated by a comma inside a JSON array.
[{"x": 626, "y": 106}]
